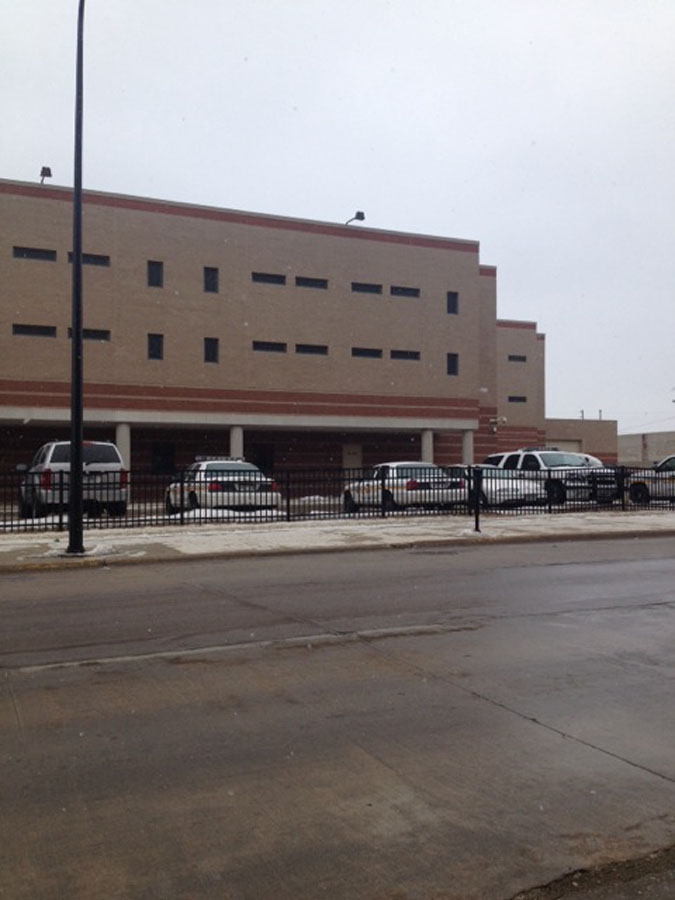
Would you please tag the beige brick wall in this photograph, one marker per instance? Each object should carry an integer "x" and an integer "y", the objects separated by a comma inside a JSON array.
[
  {"x": 595, "y": 436},
  {"x": 521, "y": 374},
  {"x": 118, "y": 375},
  {"x": 118, "y": 299}
]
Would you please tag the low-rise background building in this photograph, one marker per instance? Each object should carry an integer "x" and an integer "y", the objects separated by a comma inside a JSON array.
[{"x": 645, "y": 449}]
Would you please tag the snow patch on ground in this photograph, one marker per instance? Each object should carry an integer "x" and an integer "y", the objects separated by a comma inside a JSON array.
[{"x": 192, "y": 539}]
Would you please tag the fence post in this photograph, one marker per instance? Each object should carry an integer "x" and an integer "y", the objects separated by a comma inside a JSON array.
[
  {"x": 61, "y": 500},
  {"x": 287, "y": 489},
  {"x": 383, "y": 511},
  {"x": 182, "y": 497},
  {"x": 621, "y": 486},
  {"x": 477, "y": 481}
]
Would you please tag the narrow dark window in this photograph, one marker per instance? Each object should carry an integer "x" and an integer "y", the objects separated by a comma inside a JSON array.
[
  {"x": 35, "y": 253},
  {"x": 515, "y": 398},
  {"x": 316, "y": 349},
  {"x": 404, "y": 354},
  {"x": 268, "y": 278},
  {"x": 453, "y": 363},
  {"x": 155, "y": 273},
  {"x": 210, "y": 280},
  {"x": 396, "y": 290},
  {"x": 364, "y": 287},
  {"x": 269, "y": 346},
  {"x": 371, "y": 352},
  {"x": 35, "y": 330},
  {"x": 92, "y": 334},
  {"x": 211, "y": 350},
  {"x": 452, "y": 300},
  {"x": 517, "y": 357},
  {"x": 304, "y": 281},
  {"x": 91, "y": 259},
  {"x": 155, "y": 346}
]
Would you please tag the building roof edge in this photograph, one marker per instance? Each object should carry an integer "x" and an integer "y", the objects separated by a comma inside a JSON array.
[{"x": 240, "y": 217}]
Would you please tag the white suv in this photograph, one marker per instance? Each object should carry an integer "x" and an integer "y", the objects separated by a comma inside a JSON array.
[
  {"x": 566, "y": 475},
  {"x": 46, "y": 482}
]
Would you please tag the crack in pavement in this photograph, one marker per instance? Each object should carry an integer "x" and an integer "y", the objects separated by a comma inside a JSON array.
[
  {"x": 309, "y": 641},
  {"x": 499, "y": 704}
]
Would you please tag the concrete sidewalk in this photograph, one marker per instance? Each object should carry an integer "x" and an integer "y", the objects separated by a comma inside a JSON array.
[{"x": 40, "y": 550}]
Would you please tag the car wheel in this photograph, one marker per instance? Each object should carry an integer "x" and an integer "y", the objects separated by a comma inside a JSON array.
[
  {"x": 193, "y": 502},
  {"x": 171, "y": 510},
  {"x": 388, "y": 502},
  {"x": 38, "y": 508},
  {"x": 117, "y": 509},
  {"x": 639, "y": 493},
  {"x": 349, "y": 504},
  {"x": 25, "y": 509},
  {"x": 556, "y": 492}
]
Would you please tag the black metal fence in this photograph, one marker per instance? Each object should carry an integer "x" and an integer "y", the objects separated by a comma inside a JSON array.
[{"x": 145, "y": 499}]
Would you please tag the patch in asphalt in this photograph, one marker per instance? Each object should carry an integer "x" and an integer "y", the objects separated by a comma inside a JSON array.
[{"x": 649, "y": 876}]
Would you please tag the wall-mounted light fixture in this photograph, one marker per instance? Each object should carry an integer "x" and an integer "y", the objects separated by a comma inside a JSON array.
[{"x": 358, "y": 216}]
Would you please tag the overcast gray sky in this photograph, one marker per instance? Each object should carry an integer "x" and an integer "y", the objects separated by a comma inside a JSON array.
[{"x": 543, "y": 129}]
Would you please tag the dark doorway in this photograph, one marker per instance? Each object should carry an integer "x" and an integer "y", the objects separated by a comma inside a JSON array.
[{"x": 163, "y": 458}]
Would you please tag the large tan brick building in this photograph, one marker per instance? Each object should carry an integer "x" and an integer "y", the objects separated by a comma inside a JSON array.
[{"x": 295, "y": 343}]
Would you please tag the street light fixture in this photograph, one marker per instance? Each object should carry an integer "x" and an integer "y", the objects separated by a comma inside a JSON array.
[
  {"x": 358, "y": 216},
  {"x": 45, "y": 172}
]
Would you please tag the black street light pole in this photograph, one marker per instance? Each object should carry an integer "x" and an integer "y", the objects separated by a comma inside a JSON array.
[{"x": 75, "y": 529}]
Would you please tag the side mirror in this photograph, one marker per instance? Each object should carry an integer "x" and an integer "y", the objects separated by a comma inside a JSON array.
[{"x": 22, "y": 467}]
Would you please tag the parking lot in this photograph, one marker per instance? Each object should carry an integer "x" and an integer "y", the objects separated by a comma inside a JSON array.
[{"x": 470, "y": 493}]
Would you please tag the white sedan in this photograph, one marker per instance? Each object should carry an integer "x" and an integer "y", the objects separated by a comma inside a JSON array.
[
  {"x": 397, "y": 485},
  {"x": 508, "y": 488},
  {"x": 222, "y": 484}
]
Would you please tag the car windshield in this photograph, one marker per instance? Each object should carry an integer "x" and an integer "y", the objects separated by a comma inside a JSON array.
[
  {"x": 232, "y": 467},
  {"x": 91, "y": 453},
  {"x": 559, "y": 460}
]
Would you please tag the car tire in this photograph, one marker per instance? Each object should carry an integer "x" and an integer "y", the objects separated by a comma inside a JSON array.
[
  {"x": 639, "y": 494},
  {"x": 117, "y": 509},
  {"x": 388, "y": 502},
  {"x": 171, "y": 510},
  {"x": 349, "y": 504},
  {"x": 25, "y": 509},
  {"x": 193, "y": 501},
  {"x": 38, "y": 509}
]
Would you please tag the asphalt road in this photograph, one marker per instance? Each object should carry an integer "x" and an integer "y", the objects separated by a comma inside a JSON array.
[{"x": 452, "y": 723}]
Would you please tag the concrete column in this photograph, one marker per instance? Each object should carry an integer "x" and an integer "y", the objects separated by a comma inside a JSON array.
[
  {"x": 123, "y": 441},
  {"x": 467, "y": 447},
  {"x": 427, "y": 445},
  {"x": 237, "y": 441}
]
